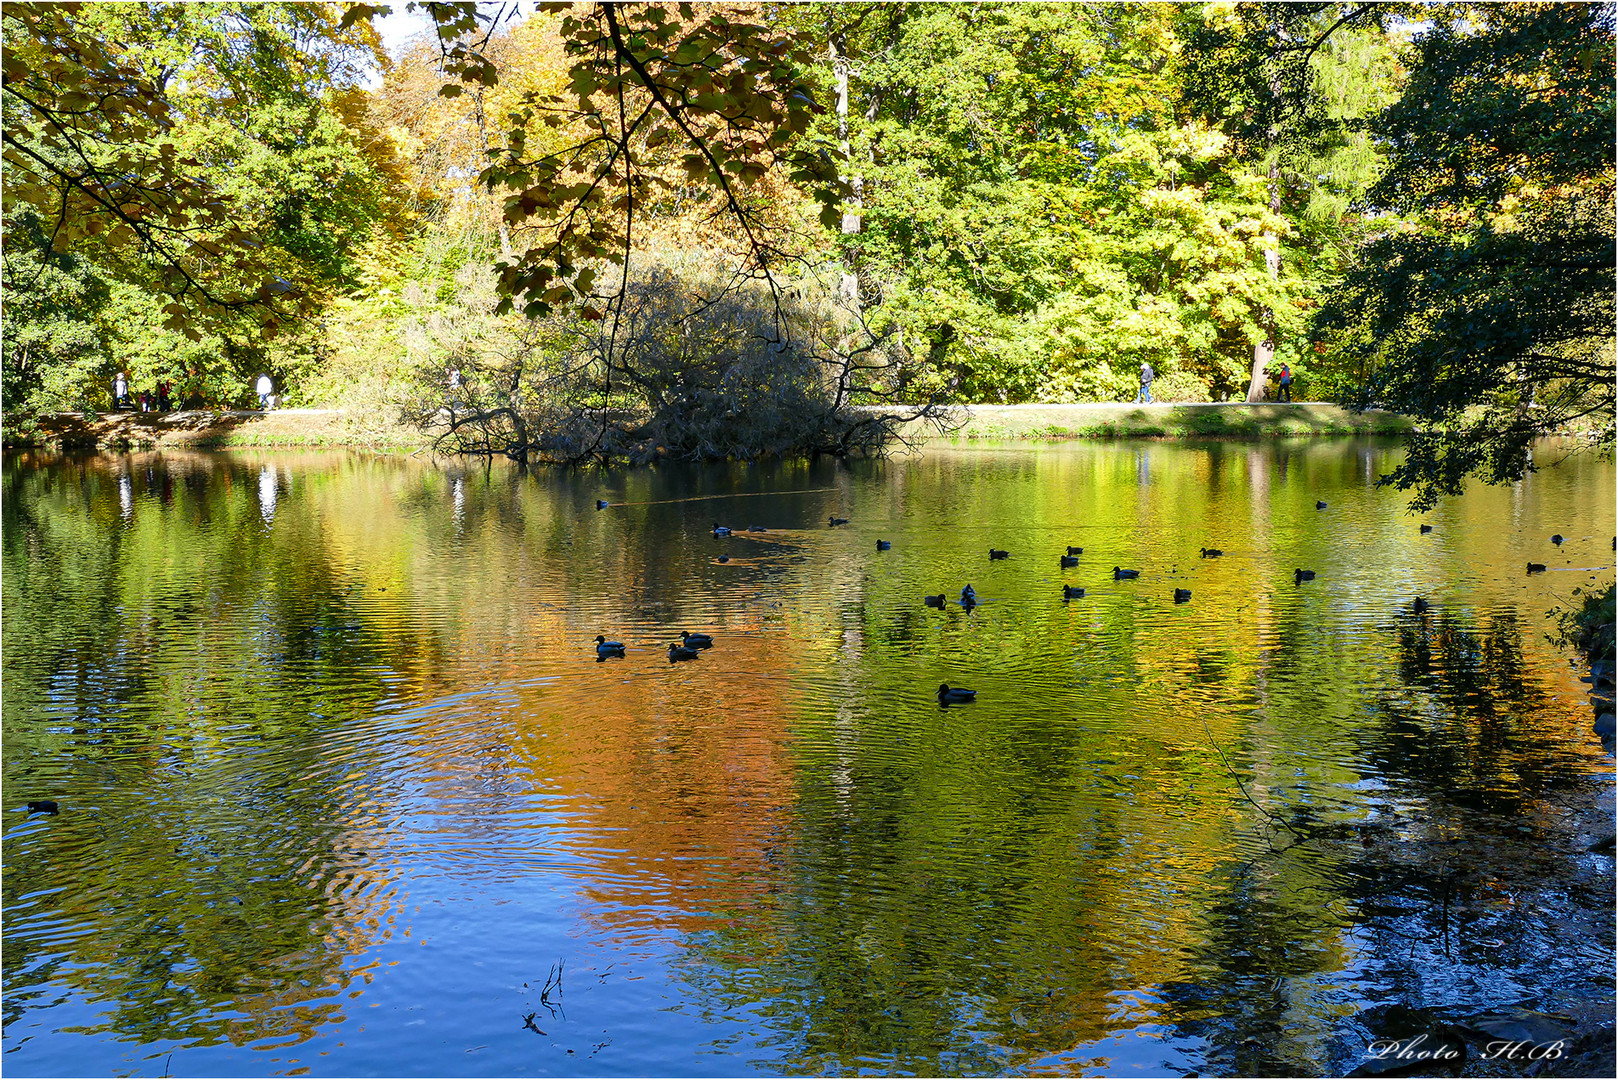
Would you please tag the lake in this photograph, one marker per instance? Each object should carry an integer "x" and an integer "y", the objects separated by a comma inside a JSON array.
[{"x": 345, "y": 790}]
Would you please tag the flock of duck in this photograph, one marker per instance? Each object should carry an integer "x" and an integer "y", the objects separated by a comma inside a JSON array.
[{"x": 691, "y": 645}]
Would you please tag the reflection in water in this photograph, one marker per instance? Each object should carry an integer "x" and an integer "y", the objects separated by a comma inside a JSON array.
[
  {"x": 266, "y": 494},
  {"x": 361, "y": 771}
]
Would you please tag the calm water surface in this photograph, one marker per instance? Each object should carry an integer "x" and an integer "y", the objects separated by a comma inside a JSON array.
[{"x": 344, "y": 790}]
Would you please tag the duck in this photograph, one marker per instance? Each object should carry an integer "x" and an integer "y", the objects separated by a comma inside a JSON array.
[
  {"x": 934, "y": 601},
  {"x": 969, "y": 596},
  {"x": 996, "y": 553},
  {"x": 954, "y": 695},
  {"x": 721, "y": 530},
  {"x": 42, "y": 806},
  {"x": 696, "y": 641},
  {"x": 757, "y": 528},
  {"x": 1536, "y": 568},
  {"x": 1211, "y": 553},
  {"x": 606, "y": 648},
  {"x": 1071, "y": 550},
  {"x": 1319, "y": 505},
  {"x": 1419, "y": 605},
  {"x": 1072, "y": 592},
  {"x": 1302, "y": 575},
  {"x": 836, "y": 521},
  {"x": 602, "y": 504},
  {"x": 1069, "y": 560},
  {"x": 1425, "y": 529},
  {"x": 680, "y": 652},
  {"x": 1557, "y": 539},
  {"x": 883, "y": 545},
  {"x": 1182, "y": 595},
  {"x": 723, "y": 558},
  {"x": 1119, "y": 573}
]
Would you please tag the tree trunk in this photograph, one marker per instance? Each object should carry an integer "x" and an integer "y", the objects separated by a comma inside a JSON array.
[
  {"x": 849, "y": 288},
  {"x": 1264, "y": 351}
]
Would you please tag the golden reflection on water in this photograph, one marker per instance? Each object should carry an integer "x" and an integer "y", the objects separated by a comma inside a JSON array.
[{"x": 285, "y": 698}]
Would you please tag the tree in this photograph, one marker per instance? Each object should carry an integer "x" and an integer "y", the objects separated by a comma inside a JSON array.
[
  {"x": 202, "y": 159},
  {"x": 96, "y": 99},
  {"x": 1037, "y": 212},
  {"x": 1486, "y": 309},
  {"x": 1282, "y": 81}
]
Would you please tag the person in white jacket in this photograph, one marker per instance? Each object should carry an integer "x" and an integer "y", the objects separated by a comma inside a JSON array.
[{"x": 265, "y": 388}]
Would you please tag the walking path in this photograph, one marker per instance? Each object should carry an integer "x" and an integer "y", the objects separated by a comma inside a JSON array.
[{"x": 337, "y": 427}]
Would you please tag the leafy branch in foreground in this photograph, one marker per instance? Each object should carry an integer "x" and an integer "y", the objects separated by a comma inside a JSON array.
[{"x": 655, "y": 93}]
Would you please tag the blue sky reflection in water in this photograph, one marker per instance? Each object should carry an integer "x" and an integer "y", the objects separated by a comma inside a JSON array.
[{"x": 344, "y": 786}]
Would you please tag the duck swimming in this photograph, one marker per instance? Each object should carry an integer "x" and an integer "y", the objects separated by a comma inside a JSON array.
[
  {"x": 996, "y": 553},
  {"x": 1071, "y": 550},
  {"x": 723, "y": 558},
  {"x": 680, "y": 652},
  {"x": 1302, "y": 575},
  {"x": 1319, "y": 505},
  {"x": 1557, "y": 539},
  {"x": 1182, "y": 595},
  {"x": 696, "y": 641},
  {"x": 1072, "y": 592},
  {"x": 955, "y": 695},
  {"x": 969, "y": 596},
  {"x": 1536, "y": 568},
  {"x": 883, "y": 545},
  {"x": 1211, "y": 553},
  {"x": 605, "y": 648},
  {"x": 1119, "y": 573},
  {"x": 1418, "y": 605},
  {"x": 757, "y": 528},
  {"x": 42, "y": 806},
  {"x": 1425, "y": 529},
  {"x": 602, "y": 504},
  {"x": 934, "y": 601},
  {"x": 836, "y": 521},
  {"x": 1069, "y": 560},
  {"x": 721, "y": 530}
]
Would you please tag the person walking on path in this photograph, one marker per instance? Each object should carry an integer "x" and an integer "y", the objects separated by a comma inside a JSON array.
[
  {"x": 1284, "y": 385},
  {"x": 1145, "y": 396},
  {"x": 120, "y": 390},
  {"x": 265, "y": 388}
]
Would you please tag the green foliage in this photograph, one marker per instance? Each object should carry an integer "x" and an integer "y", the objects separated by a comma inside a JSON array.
[
  {"x": 1489, "y": 314},
  {"x": 51, "y": 340},
  {"x": 1038, "y": 213},
  {"x": 1589, "y": 628},
  {"x": 251, "y": 193}
]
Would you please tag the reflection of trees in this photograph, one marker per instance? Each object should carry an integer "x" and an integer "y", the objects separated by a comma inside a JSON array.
[
  {"x": 1258, "y": 945},
  {"x": 900, "y": 886},
  {"x": 178, "y": 681},
  {"x": 1463, "y": 722}
]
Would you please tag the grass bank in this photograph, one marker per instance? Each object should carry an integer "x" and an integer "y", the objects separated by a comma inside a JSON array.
[
  {"x": 207, "y": 429},
  {"x": 1237, "y": 420},
  {"x": 203, "y": 429}
]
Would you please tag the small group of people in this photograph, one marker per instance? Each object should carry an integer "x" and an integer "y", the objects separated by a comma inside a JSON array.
[
  {"x": 161, "y": 399},
  {"x": 158, "y": 400},
  {"x": 1283, "y": 382}
]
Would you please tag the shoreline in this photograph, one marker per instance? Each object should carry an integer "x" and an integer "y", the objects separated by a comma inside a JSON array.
[{"x": 337, "y": 428}]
